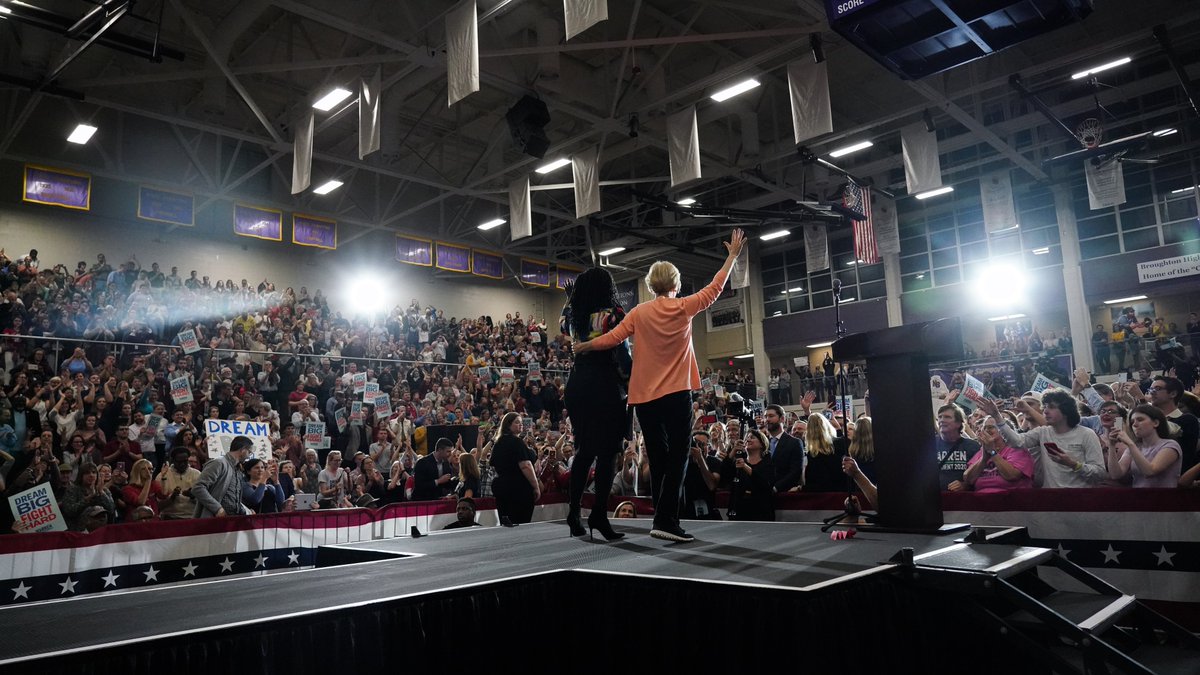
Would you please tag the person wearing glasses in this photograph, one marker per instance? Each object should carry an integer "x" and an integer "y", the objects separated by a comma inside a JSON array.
[{"x": 997, "y": 467}]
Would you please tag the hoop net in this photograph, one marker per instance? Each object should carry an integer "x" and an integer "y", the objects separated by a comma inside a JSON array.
[{"x": 1089, "y": 132}]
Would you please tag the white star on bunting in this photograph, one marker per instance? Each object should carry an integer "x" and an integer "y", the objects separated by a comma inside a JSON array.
[
  {"x": 189, "y": 570},
  {"x": 1164, "y": 558},
  {"x": 151, "y": 574},
  {"x": 226, "y": 565},
  {"x": 293, "y": 558},
  {"x": 111, "y": 579},
  {"x": 21, "y": 591},
  {"x": 260, "y": 561},
  {"x": 1111, "y": 555},
  {"x": 1063, "y": 552},
  {"x": 68, "y": 586}
]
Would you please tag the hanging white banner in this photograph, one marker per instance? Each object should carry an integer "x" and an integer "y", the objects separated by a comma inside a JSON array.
[
  {"x": 302, "y": 149},
  {"x": 887, "y": 224},
  {"x": 816, "y": 248},
  {"x": 739, "y": 276},
  {"x": 1105, "y": 184},
  {"x": 520, "y": 212},
  {"x": 462, "y": 52},
  {"x": 368, "y": 114},
  {"x": 922, "y": 167},
  {"x": 585, "y": 168},
  {"x": 812, "y": 114},
  {"x": 583, "y": 14},
  {"x": 683, "y": 146},
  {"x": 995, "y": 190}
]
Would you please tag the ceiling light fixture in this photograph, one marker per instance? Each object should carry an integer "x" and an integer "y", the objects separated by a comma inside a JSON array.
[
  {"x": 1183, "y": 190},
  {"x": 686, "y": 201},
  {"x": 739, "y": 88},
  {"x": 328, "y": 186},
  {"x": 82, "y": 134},
  {"x": 1041, "y": 251},
  {"x": 328, "y": 101},
  {"x": 556, "y": 164},
  {"x": 818, "y": 345},
  {"x": 1121, "y": 301},
  {"x": 612, "y": 251},
  {"x": 494, "y": 223},
  {"x": 1165, "y": 132},
  {"x": 861, "y": 145},
  {"x": 795, "y": 290},
  {"x": 935, "y": 192},
  {"x": 847, "y": 300},
  {"x": 5, "y": 10},
  {"x": 1006, "y": 317},
  {"x": 744, "y": 356},
  {"x": 1101, "y": 68},
  {"x": 775, "y": 235}
]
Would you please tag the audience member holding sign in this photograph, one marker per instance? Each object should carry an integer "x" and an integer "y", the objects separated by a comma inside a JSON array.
[{"x": 1065, "y": 454}]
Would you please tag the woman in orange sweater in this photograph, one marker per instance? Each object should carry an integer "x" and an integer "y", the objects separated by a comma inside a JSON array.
[{"x": 664, "y": 375}]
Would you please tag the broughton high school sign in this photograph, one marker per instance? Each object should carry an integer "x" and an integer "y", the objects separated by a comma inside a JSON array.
[{"x": 1169, "y": 268}]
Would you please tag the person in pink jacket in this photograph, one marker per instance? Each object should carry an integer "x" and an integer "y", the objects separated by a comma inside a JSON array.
[{"x": 664, "y": 375}]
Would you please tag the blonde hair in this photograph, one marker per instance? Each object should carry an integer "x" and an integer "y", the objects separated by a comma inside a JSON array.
[
  {"x": 137, "y": 468},
  {"x": 862, "y": 448},
  {"x": 662, "y": 278},
  {"x": 818, "y": 438}
]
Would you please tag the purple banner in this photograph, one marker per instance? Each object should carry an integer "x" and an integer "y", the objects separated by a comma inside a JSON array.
[
  {"x": 309, "y": 231},
  {"x": 251, "y": 221},
  {"x": 414, "y": 251},
  {"x": 56, "y": 187},
  {"x": 566, "y": 275},
  {"x": 535, "y": 272},
  {"x": 627, "y": 294},
  {"x": 165, "y": 206},
  {"x": 484, "y": 264},
  {"x": 453, "y": 258}
]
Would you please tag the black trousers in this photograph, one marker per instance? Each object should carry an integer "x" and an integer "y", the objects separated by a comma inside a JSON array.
[
  {"x": 666, "y": 424},
  {"x": 595, "y": 398}
]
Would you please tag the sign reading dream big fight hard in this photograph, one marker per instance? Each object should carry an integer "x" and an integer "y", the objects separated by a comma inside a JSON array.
[
  {"x": 37, "y": 510},
  {"x": 220, "y": 433},
  {"x": 181, "y": 390}
]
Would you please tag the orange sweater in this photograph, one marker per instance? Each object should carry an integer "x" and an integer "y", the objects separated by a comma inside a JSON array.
[{"x": 663, "y": 359}]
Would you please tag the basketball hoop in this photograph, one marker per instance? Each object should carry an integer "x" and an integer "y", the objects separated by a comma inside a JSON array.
[{"x": 1090, "y": 133}]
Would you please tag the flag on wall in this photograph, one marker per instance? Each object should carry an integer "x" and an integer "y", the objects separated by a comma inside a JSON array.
[
  {"x": 462, "y": 52},
  {"x": 585, "y": 168},
  {"x": 922, "y": 166},
  {"x": 302, "y": 151},
  {"x": 683, "y": 146},
  {"x": 368, "y": 114},
  {"x": 816, "y": 248},
  {"x": 858, "y": 199},
  {"x": 583, "y": 14},
  {"x": 812, "y": 114},
  {"x": 520, "y": 213}
]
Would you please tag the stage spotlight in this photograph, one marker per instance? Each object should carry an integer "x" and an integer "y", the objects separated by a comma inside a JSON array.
[
  {"x": 367, "y": 294},
  {"x": 1000, "y": 285}
]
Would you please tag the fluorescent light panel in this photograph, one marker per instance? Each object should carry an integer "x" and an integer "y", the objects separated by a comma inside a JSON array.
[
  {"x": 494, "y": 223},
  {"x": 1006, "y": 317},
  {"x": 82, "y": 134},
  {"x": 613, "y": 251},
  {"x": 328, "y": 186},
  {"x": 775, "y": 235},
  {"x": 739, "y": 88},
  {"x": 744, "y": 356},
  {"x": 847, "y": 300},
  {"x": 556, "y": 164},
  {"x": 1101, "y": 68},
  {"x": 1183, "y": 190},
  {"x": 934, "y": 193},
  {"x": 5, "y": 10},
  {"x": 861, "y": 145},
  {"x": 328, "y": 101},
  {"x": 1121, "y": 301},
  {"x": 1165, "y": 132},
  {"x": 795, "y": 290},
  {"x": 686, "y": 201},
  {"x": 1041, "y": 251},
  {"x": 818, "y": 345}
]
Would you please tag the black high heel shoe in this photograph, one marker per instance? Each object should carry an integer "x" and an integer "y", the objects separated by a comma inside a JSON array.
[
  {"x": 598, "y": 520},
  {"x": 574, "y": 522}
]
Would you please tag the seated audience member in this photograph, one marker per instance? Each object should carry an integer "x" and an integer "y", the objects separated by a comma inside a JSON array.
[
  {"x": 625, "y": 510},
  {"x": 1142, "y": 451},
  {"x": 997, "y": 467},
  {"x": 141, "y": 513},
  {"x": 465, "y": 510},
  {"x": 823, "y": 471},
  {"x": 751, "y": 495},
  {"x": 1064, "y": 453},
  {"x": 700, "y": 480},
  {"x": 92, "y": 519},
  {"x": 177, "y": 482},
  {"x": 953, "y": 448},
  {"x": 143, "y": 489}
]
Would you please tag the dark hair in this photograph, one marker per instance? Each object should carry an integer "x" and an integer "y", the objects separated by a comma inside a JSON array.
[
  {"x": 240, "y": 443},
  {"x": 443, "y": 443},
  {"x": 778, "y": 410},
  {"x": 250, "y": 464},
  {"x": 506, "y": 424},
  {"x": 593, "y": 291},
  {"x": 1162, "y": 426},
  {"x": 1174, "y": 387},
  {"x": 1065, "y": 404},
  {"x": 468, "y": 501}
]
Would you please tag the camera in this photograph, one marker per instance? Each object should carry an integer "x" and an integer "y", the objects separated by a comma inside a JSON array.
[{"x": 736, "y": 407}]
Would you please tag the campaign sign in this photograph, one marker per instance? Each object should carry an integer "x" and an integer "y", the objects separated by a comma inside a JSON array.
[
  {"x": 1043, "y": 384},
  {"x": 153, "y": 424},
  {"x": 340, "y": 417},
  {"x": 37, "y": 510},
  {"x": 973, "y": 391},
  {"x": 535, "y": 370},
  {"x": 706, "y": 384},
  {"x": 359, "y": 380},
  {"x": 369, "y": 392},
  {"x": 383, "y": 405},
  {"x": 356, "y": 412},
  {"x": 506, "y": 375},
  {"x": 313, "y": 433},
  {"x": 181, "y": 390},
  {"x": 220, "y": 433},
  {"x": 187, "y": 340}
]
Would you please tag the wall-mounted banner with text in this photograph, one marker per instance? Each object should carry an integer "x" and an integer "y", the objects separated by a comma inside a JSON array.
[
  {"x": 535, "y": 273},
  {"x": 57, "y": 187},
  {"x": 453, "y": 258},
  {"x": 566, "y": 275},
  {"x": 166, "y": 206},
  {"x": 310, "y": 231},
  {"x": 487, "y": 264},
  {"x": 1168, "y": 268},
  {"x": 414, "y": 250},
  {"x": 251, "y": 221}
]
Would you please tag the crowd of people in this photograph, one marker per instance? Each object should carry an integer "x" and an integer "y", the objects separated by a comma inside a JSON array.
[{"x": 476, "y": 408}]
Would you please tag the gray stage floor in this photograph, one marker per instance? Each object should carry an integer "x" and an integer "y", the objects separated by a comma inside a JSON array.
[{"x": 788, "y": 556}]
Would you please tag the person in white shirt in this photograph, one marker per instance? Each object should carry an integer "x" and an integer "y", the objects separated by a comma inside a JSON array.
[{"x": 1065, "y": 454}]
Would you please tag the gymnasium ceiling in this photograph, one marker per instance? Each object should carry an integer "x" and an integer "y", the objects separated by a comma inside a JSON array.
[{"x": 217, "y": 120}]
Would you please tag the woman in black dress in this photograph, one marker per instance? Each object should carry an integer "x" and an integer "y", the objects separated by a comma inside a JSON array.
[
  {"x": 823, "y": 472},
  {"x": 595, "y": 396},
  {"x": 752, "y": 496},
  {"x": 515, "y": 485}
]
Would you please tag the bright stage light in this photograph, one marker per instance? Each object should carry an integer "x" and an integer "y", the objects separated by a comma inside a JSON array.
[
  {"x": 1000, "y": 285},
  {"x": 367, "y": 295},
  {"x": 686, "y": 201}
]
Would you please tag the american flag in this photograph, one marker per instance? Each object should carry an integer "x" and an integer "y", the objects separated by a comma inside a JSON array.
[{"x": 858, "y": 200}]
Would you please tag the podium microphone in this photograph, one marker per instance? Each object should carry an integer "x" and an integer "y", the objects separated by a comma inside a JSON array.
[{"x": 837, "y": 287}]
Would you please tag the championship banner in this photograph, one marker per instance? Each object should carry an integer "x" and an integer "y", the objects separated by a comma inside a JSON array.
[
  {"x": 922, "y": 166},
  {"x": 302, "y": 153},
  {"x": 887, "y": 224},
  {"x": 1105, "y": 184},
  {"x": 37, "y": 510},
  {"x": 683, "y": 146},
  {"x": 414, "y": 250},
  {"x": 165, "y": 206},
  {"x": 535, "y": 273},
  {"x": 310, "y": 231},
  {"x": 57, "y": 187},
  {"x": 462, "y": 52},
  {"x": 812, "y": 113},
  {"x": 251, "y": 221},
  {"x": 520, "y": 209},
  {"x": 816, "y": 248},
  {"x": 487, "y": 264},
  {"x": 368, "y": 114},
  {"x": 188, "y": 341},
  {"x": 580, "y": 15},
  {"x": 627, "y": 294},
  {"x": 453, "y": 258},
  {"x": 999, "y": 212},
  {"x": 181, "y": 390},
  {"x": 218, "y": 434},
  {"x": 566, "y": 275},
  {"x": 585, "y": 172}
]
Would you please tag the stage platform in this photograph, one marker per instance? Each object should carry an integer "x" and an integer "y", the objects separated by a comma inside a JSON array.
[{"x": 742, "y": 595}]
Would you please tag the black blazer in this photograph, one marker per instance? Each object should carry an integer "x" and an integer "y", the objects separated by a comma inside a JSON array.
[
  {"x": 788, "y": 461},
  {"x": 425, "y": 475}
]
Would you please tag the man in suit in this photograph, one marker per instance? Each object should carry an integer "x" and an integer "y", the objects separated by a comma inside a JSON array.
[
  {"x": 786, "y": 452},
  {"x": 432, "y": 475}
]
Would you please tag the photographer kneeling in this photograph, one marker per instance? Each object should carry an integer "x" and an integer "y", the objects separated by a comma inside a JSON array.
[{"x": 751, "y": 496}]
